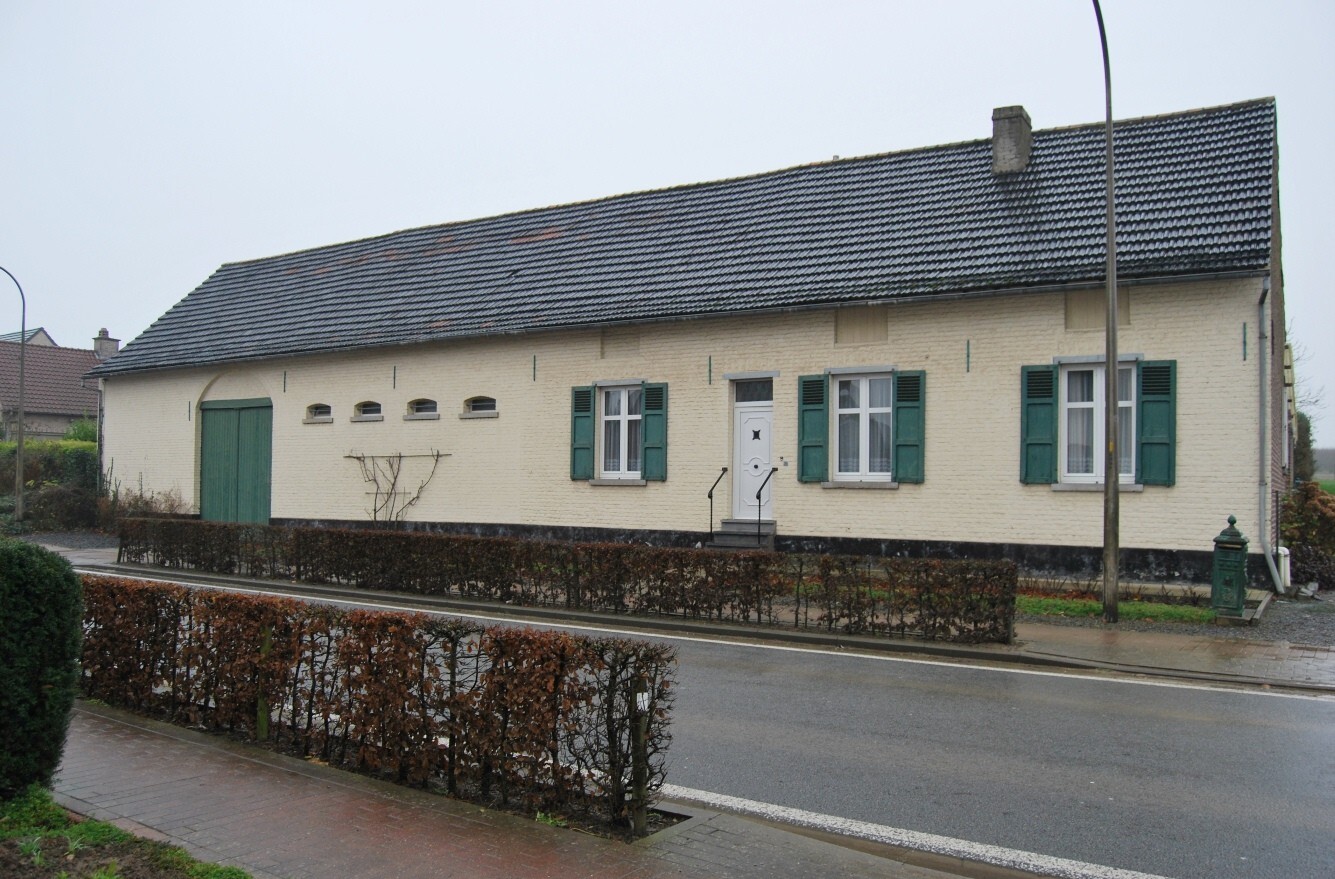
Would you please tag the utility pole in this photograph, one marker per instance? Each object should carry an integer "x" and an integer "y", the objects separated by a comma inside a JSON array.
[
  {"x": 18, "y": 451},
  {"x": 1111, "y": 469}
]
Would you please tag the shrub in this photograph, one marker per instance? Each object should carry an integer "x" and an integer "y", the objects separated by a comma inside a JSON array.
[
  {"x": 1307, "y": 526},
  {"x": 117, "y": 501},
  {"x": 51, "y": 462},
  {"x": 84, "y": 430},
  {"x": 41, "y": 613},
  {"x": 60, "y": 508}
]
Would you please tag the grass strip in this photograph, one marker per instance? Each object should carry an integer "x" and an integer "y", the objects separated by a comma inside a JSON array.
[
  {"x": 1126, "y": 610},
  {"x": 31, "y": 820}
]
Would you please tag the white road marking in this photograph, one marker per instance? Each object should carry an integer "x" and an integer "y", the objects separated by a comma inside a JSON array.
[
  {"x": 1044, "y": 865},
  {"x": 727, "y": 642}
]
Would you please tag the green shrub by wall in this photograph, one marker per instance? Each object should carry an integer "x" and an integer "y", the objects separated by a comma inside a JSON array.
[
  {"x": 71, "y": 463},
  {"x": 41, "y": 614},
  {"x": 1307, "y": 527}
]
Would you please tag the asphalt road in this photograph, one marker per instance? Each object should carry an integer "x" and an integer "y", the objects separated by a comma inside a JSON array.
[
  {"x": 1164, "y": 779},
  {"x": 1168, "y": 779}
]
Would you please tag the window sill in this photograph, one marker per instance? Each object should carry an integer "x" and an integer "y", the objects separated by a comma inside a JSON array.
[
  {"x": 882, "y": 486},
  {"x": 469, "y": 415},
  {"x": 422, "y": 416},
  {"x": 357, "y": 418},
  {"x": 319, "y": 419},
  {"x": 1095, "y": 486},
  {"x": 620, "y": 482}
]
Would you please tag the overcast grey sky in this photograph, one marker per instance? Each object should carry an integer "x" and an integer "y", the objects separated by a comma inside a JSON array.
[{"x": 143, "y": 144}]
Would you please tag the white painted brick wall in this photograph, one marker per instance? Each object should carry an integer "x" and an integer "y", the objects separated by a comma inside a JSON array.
[{"x": 515, "y": 468}]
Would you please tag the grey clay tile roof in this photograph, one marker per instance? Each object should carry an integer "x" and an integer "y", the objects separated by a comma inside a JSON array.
[
  {"x": 52, "y": 380},
  {"x": 1194, "y": 197}
]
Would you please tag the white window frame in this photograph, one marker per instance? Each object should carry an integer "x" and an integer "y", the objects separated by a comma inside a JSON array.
[
  {"x": 623, "y": 420},
  {"x": 480, "y": 407},
  {"x": 1126, "y": 415},
  {"x": 367, "y": 410},
  {"x": 864, "y": 410},
  {"x": 422, "y": 409}
]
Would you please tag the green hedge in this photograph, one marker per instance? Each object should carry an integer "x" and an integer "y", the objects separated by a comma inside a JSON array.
[
  {"x": 520, "y": 718},
  {"x": 40, "y": 615},
  {"x": 957, "y": 600},
  {"x": 69, "y": 463}
]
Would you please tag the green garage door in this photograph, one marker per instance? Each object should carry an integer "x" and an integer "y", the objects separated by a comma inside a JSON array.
[{"x": 236, "y": 446}]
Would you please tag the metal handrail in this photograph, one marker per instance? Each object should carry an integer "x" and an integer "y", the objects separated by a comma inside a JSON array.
[
  {"x": 759, "y": 506},
  {"x": 722, "y": 473}
]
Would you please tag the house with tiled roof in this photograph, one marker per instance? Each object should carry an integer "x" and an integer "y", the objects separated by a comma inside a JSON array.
[
  {"x": 56, "y": 391},
  {"x": 899, "y": 353},
  {"x": 35, "y": 336}
]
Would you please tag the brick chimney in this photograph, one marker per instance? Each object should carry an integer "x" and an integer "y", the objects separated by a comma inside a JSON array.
[
  {"x": 1012, "y": 138},
  {"x": 104, "y": 346}
]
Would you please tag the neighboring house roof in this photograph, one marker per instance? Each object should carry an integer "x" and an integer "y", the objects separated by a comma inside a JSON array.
[
  {"x": 1195, "y": 196},
  {"x": 36, "y": 336},
  {"x": 53, "y": 382}
]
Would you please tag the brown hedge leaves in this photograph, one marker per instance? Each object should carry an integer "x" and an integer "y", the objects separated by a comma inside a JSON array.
[
  {"x": 520, "y": 718},
  {"x": 935, "y": 599}
]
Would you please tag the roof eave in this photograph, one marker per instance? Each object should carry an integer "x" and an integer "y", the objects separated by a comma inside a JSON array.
[{"x": 108, "y": 369}]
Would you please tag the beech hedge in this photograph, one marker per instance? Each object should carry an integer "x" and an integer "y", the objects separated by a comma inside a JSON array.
[
  {"x": 519, "y": 718},
  {"x": 936, "y": 599}
]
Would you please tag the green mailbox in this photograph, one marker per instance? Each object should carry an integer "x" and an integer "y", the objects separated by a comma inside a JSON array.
[{"x": 1228, "y": 585}]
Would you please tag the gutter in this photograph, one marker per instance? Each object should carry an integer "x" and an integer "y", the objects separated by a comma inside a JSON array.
[{"x": 1263, "y": 493}]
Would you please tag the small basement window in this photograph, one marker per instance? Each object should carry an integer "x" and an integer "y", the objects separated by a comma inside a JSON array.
[
  {"x": 319, "y": 413},
  {"x": 421, "y": 410},
  {"x": 367, "y": 410},
  {"x": 479, "y": 407}
]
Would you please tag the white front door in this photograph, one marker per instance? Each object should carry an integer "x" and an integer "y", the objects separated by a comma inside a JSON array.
[{"x": 752, "y": 424}]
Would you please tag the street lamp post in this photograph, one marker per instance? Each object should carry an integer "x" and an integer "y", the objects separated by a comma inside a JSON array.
[
  {"x": 23, "y": 344},
  {"x": 1111, "y": 465}
]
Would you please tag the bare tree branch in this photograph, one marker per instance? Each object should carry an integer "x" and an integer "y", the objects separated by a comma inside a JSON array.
[{"x": 389, "y": 503}]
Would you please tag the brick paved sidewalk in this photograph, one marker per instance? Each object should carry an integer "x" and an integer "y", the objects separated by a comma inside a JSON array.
[
  {"x": 1200, "y": 656},
  {"x": 277, "y": 816}
]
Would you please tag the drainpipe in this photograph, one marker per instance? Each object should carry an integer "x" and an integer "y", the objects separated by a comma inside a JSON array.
[{"x": 1263, "y": 435}]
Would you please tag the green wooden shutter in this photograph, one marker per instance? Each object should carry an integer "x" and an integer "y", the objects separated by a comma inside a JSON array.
[
  {"x": 653, "y": 433},
  {"x": 581, "y": 432},
  {"x": 1038, "y": 424},
  {"x": 813, "y": 428},
  {"x": 1156, "y": 421},
  {"x": 910, "y": 400}
]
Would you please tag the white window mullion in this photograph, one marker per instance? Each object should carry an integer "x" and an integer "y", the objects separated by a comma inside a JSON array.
[
  {"x": 1083, "y": 416},
  {"x": 621, "y": 418},
  {"x": 858, "y": 400}
]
